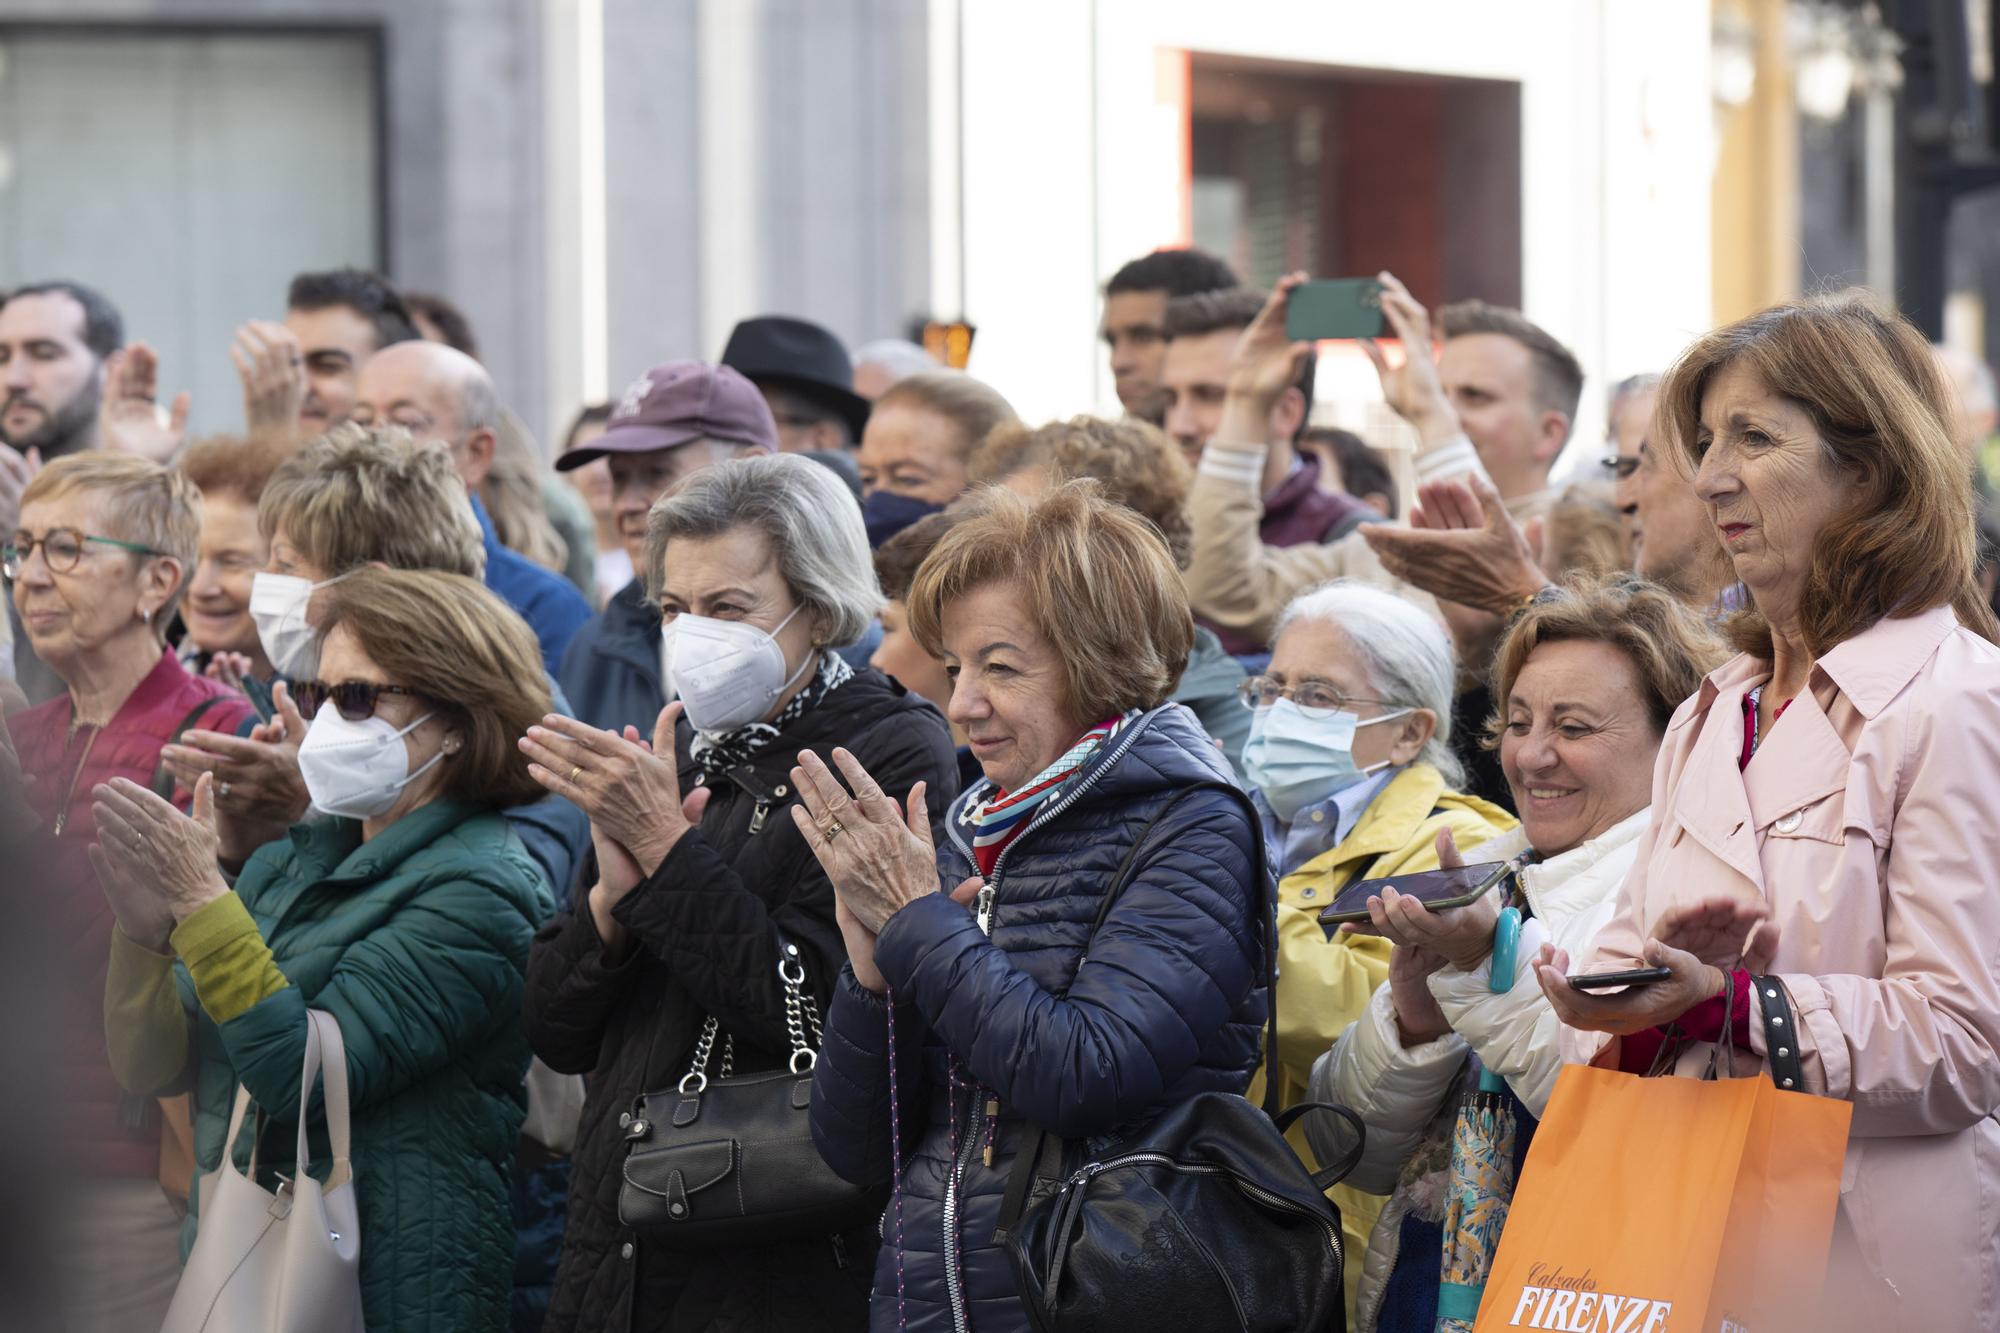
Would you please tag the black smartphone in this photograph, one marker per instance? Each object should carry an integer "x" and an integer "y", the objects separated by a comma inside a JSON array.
[
  {"x": 1439, "y": 890},
  {"x": 1335, "y": 308},
  {"x": 1637, "y": 976}
]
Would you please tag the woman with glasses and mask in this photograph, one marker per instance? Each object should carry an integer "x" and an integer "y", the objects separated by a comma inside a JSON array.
[
  {"x": 101, "y": 559},
  {"x": 704, "y": 883},
  {"x": 1351, "y": 766},
  {"x": 406, "y": 913}
]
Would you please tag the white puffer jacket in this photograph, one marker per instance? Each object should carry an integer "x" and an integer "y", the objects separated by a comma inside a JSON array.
[{"x": 1397, "y": 1091}]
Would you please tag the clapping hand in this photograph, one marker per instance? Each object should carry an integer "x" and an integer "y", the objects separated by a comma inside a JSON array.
[
  {"x": 259, "y": 791},
  {"x": 157, "y": 865},
  {"x": 631, "y": 793}
]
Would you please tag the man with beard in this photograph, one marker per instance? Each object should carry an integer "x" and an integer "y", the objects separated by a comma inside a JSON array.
[{"x": 54, "y": 340}]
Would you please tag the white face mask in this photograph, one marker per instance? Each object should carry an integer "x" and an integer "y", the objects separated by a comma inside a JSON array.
[
  {"x": 357, "y": 769},
  {"x": 726, "y": 672},
  {"x": 278, "y": 604}
]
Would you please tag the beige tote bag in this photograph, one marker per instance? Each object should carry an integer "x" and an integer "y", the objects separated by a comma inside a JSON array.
[{"x": 288, "y": 1262}]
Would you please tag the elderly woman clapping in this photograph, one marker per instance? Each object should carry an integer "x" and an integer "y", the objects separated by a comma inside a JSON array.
[
  {"x": 760, "y": 568},
  {"x": 1064, "y": 626}
]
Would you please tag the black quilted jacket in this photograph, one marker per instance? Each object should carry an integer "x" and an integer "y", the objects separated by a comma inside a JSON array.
[{"x": 706, "y": 925}]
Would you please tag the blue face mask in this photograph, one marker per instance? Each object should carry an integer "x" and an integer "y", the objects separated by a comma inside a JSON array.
[
  {"x": 887, "y": 514},
  {"x": 1297, "y": 759}
]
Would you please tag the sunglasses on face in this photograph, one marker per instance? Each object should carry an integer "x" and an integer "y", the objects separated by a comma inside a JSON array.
[{"x": 355, "y": 699}]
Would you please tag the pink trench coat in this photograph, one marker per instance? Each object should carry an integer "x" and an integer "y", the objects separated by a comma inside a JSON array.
[{"x": 1869, "y": 820}]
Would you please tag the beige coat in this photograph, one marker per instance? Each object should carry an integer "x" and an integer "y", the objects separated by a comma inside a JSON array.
[
  {"x": 1236, "y": 582},
  {"x": 1866, "y": 821}
]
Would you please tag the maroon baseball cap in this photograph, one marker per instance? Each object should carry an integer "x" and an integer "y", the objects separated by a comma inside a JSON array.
[{"x": 679, "y": 403}]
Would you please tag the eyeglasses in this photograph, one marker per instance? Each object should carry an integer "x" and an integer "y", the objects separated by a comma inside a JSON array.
[
  {"x": 356, "y": 699},
  {"x": 62, "y": 548},
  {"x": 1314, "y": 697}
]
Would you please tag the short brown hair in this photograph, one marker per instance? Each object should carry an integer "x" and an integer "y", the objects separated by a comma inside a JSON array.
[
  {"x": 1668, "y": 644},
  {"x": 1231, "y": 308},
  {"x": 1904, "y": 542},
  {"x": 144, "y": 502},
  {"x": 1096, "y": 578},
  {"x": 365, "y": 494},
  {"x": 1558, "y": 374},
  {"x": 1136, "y": 463},
  {"x": 974, "y": 406},
  {"x": 448, "y": 637},
  {"x": 232, "y": 465}
]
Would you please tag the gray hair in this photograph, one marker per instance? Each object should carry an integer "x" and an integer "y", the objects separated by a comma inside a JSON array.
[
  {"x": 1406, "y": 654},
  {"x": 810, "y": 518},
  {"x": 897, "y": 356}
]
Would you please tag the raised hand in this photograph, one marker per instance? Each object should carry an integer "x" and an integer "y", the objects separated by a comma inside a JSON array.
[
  {"x": 631, "y": 793},
  {"x": 878, "y": 855},
  {"x": 151, "y": 844},
  {"x": 1412, "y": 390},
  {"x": 129, "y": 420},
  {"x": 259, "y": 791},
  {"x": 268, "y": 360}
]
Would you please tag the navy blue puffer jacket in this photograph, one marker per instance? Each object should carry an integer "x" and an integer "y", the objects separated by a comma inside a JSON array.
[{"x": 1169, "y": 1004}]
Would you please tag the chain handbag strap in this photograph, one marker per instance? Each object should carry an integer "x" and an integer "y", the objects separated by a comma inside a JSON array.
[{"x": 801, "y": 1014}]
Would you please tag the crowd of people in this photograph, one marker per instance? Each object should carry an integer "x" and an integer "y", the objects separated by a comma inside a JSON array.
[{"x": 810, "y": 716}]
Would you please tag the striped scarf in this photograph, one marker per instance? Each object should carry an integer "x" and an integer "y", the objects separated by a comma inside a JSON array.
[{"x": 997, "y": 821}]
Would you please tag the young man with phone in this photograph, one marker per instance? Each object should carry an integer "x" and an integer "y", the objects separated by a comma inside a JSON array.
[
  {"x": 1202, "y": 333},
  {"x": 1498, "y": 403}
]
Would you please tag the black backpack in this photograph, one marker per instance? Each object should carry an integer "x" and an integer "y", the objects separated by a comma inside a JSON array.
[{"x": 1204, "y": 1219}]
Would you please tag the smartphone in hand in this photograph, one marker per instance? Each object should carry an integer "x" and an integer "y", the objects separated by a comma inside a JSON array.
[
  {"x": 1634, "y": 976},
  {"x": 1335, "y": 308},
  {"x": 1439, "y": 890}
]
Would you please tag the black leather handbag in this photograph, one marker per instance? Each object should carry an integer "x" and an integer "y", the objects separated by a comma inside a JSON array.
[
  {"x": 726, "y": 1160},
  {"x": 1204, "y": 1219}
]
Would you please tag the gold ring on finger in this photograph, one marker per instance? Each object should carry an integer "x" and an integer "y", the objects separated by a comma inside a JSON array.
[
  {"x": 574, "y": 774},
  {"x": 833, "y": 827}
]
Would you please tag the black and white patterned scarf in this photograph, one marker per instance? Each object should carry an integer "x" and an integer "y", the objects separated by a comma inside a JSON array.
[{"x": 716, "y": 752}]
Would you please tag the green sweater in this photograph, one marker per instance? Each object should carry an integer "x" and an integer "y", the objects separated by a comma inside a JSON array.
[{"x": 417, "y": 942}]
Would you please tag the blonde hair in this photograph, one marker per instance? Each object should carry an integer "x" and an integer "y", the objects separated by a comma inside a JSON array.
[
  {"x": 1904, "y": 541},
  {"x": 449, "y": 638},
  {"x": 362, "y": 494},
  {"x": 145, "y": 503},
  {"x": 1097, "y": 578},
  {"x": 1668, "y": 644}
]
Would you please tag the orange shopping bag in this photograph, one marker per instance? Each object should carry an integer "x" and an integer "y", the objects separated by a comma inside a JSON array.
[{"x": 1669, "y": 1205}]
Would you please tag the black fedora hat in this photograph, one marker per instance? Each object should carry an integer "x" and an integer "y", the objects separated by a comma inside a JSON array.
[{"x": 799, "y": 355}]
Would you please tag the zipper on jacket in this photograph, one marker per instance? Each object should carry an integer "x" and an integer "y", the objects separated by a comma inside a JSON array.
[
  {"x": 983, "y": 912},
  {"x": 955, "y": 1288}
]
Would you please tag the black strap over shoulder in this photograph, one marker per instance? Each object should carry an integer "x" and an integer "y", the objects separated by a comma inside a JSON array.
[
  {"x": 1039, "y": 1156},
  {"x": 1781, "y": 1038},
  {"x": 163, "y": 781}
]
